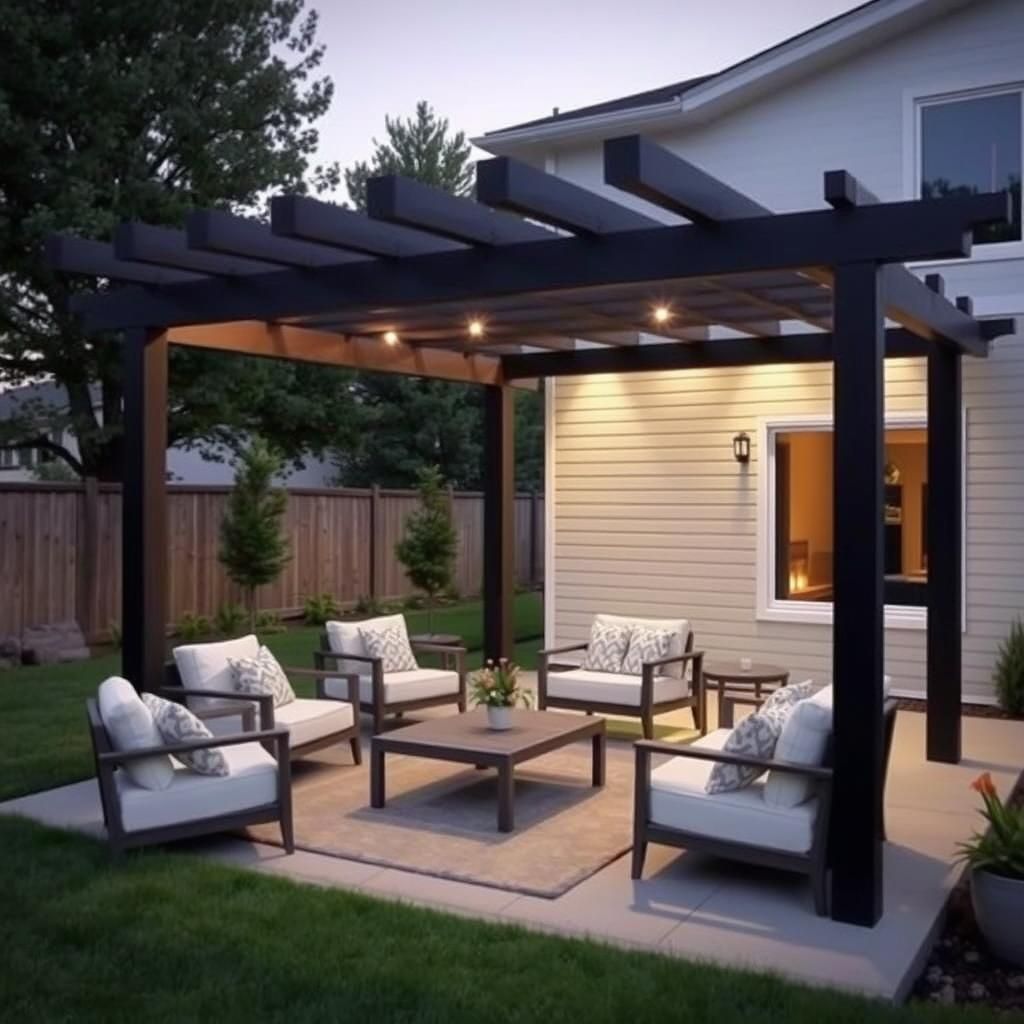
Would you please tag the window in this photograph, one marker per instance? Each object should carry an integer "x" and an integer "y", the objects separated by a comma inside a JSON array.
[
  {"x": 8, "y": 458},
  {"x": 974, "y": 144},
  {"x": 795, "y": 527}
]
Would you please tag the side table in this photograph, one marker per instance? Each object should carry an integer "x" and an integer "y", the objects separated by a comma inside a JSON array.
[{"x": 742, "y": 685}]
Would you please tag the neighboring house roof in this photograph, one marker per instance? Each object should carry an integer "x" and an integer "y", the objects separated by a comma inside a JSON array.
[{"x": 704, "y": 97}]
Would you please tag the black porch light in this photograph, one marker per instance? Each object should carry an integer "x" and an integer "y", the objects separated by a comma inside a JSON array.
[{"x": 741, "y": 447}]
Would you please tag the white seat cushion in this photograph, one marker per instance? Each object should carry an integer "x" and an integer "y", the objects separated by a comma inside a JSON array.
[
  {"x": 251, "y": 782},
  {"x": 207, "y": 667},
  {"x": 309, "y": 720},
  {"x": 130, "y": 726},
  {"x": 417, "y": 684},
  {"x": 678, "y": 800},
  {"x": 612, "y": 687},
  {"x": 680, "y": 628},
  {"x": 346, "y": 637}
]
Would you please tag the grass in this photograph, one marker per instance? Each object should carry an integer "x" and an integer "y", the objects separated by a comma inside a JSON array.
[
  {"x": 42, "y": 708},
  {"x": 170, "y": 937}
]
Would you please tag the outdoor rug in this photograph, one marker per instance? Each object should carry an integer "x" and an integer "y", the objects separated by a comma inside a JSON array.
[{"x": 441, "y": 818}]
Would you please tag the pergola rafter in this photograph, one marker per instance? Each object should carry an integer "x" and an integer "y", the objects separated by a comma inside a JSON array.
[{"x": 397, "y": 290}]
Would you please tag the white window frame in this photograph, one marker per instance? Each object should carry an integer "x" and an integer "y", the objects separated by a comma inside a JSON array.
[
  {"x": 914, "y": 103},
  {"x": 773, "y": 609}
]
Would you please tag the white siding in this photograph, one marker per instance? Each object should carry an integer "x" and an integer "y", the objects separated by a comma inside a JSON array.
[{"x": 652, "y": 515}]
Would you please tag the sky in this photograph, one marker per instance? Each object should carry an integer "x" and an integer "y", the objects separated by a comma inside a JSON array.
[{"x": 487, "y": 65}]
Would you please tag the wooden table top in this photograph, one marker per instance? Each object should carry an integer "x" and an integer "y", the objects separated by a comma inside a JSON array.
[
  {"x": 731, "y": 672},
  {"x": 469, "y": 732}
]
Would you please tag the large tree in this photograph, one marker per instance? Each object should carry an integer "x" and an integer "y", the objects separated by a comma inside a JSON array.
[
  {"x": 124, "y": 110},
  {"x": 409, "y": 423}
]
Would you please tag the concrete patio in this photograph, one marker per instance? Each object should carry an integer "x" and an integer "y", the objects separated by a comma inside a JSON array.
[{"x": 691, "y": 906}]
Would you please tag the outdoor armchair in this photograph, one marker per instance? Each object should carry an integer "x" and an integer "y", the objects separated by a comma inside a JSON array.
[
  {"x": 256, "y": 790},
  {"x": 666, "y": 684},
  {"x": 201, "y": 677},
  {"x": 672, "y": 807},
  {"x": 382, "y": 693}
]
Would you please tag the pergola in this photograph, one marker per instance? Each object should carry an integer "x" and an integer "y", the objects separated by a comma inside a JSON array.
[{"x": 539, "y": 277}]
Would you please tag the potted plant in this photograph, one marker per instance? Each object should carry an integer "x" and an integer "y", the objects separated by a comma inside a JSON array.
[
  {"x": 496, "y": 687},
  {"x": 996, "y": 859}
]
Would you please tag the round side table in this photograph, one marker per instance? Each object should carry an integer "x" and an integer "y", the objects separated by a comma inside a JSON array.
[{"x": 743, "y": 685}]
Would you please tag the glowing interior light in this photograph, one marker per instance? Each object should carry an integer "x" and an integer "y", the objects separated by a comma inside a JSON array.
[{"x": 390, "y": 338}]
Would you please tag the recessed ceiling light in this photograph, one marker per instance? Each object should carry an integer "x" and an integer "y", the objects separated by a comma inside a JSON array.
[
  {"x": 661, "y": 314},
  {"x": 390, "y": 338},
  {"x": 476, "y": 328}
]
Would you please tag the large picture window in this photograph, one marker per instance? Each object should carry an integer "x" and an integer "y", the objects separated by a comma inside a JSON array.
[
  {"x": 796, "y": 545},
  {"x": 974, "y": 144}
]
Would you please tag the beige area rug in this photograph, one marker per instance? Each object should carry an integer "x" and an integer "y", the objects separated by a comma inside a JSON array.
[{"x": 441, "y": 819}]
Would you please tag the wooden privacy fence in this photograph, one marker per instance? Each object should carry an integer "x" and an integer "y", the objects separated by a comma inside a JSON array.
[{"x": 60, "y": 550}]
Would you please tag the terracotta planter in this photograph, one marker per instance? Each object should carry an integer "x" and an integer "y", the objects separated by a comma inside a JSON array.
[
  {"x": 999, "y": 910},
  {"x": 499, "y": 719}
]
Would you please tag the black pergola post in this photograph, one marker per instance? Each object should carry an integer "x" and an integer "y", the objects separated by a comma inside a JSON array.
[
  {"x": 144, "y": 508},
  {"x": 857, "y": 635},
  {"x": 499, "y": 520},
  {"x": 945, "y": 537}
]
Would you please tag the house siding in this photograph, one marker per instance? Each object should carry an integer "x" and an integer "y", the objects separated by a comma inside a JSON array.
[{"x": 651, "y": 513}]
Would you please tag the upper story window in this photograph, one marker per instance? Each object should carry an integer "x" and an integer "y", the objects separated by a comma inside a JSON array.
[{"x": 974, "y": 144}]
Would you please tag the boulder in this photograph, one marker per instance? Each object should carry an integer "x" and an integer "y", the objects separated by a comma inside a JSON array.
[{"x": 53, "y": 644}]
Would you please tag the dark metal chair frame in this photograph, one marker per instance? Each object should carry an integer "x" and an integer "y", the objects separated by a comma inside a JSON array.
[
  {"x": 107, "y": 759},
  {"x": 377, "y": 707},
  {"x": 175, "y": 690},
  {"x": 814, "y": 863},
  {"x": 648, "y": 707}
]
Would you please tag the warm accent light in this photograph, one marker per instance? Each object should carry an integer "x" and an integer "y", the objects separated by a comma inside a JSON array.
[
  {"x": 662, "y": 314},
  {"x": 741, "y": 447},
  {"x": 390, "y": 338},
  {"x": 476, "y": 328}
]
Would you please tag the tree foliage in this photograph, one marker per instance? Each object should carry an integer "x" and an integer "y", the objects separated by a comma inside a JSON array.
[
  {"x": 420, "y": 147},
  {"x": 427, "y": 550},
  {"x": 253, "y": 548},
  {"x": 133, "y": 111}
]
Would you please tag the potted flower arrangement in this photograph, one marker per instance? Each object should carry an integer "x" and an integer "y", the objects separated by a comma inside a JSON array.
[
  {"x": 496, "y": 687},
  {"x": 996, "y": 859}
]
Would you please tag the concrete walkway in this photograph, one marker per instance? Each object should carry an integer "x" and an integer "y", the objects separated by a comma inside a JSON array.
[{"x": 691, "y": 906}]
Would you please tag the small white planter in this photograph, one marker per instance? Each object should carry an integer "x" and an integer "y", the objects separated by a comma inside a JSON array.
[
  {"x": 499, "y": 719},
  {"x": 999, "y": 910}
]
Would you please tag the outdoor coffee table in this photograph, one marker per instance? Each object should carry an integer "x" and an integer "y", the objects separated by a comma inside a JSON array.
[
  {"x": 742, "y": 685},
  {"x": 466, "y": 739}
]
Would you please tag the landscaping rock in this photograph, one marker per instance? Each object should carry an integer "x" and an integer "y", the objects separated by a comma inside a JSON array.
[{"x": 53, "y": 644}]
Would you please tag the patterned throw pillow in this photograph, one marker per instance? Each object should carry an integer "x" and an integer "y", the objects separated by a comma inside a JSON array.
[
  {"x": 755, "y": 736},
  {"x": 785, "y": 698},
  {"x": 262, "y": 676},
  {"x": 646, "y": 644},
  {"x": 178, "y": 725},
  {"x": 607, "y": 647},
  {"x": 391, "y": 645}
]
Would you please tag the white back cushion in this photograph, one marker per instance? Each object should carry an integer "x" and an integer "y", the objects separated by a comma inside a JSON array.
[
  {"x": 130, "y": 726},
  {"x": 344, "y": 637},
  {"x": 679, "y": 627},
  {"x": 207, "y": 666}
]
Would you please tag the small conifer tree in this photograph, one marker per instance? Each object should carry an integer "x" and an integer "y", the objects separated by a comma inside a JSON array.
[
  {"x": 253, "y": 548},
  {"x": 428, "y": 548},
  {"x": 1009, "y": 671}
]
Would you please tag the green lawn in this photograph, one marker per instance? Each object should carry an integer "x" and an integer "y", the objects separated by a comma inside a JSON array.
[
  {"x": 42, "y": 709},
  {"x": 169, "y": 937}
]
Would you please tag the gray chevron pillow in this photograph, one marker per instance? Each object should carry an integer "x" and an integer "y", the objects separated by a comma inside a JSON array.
[
  {"x": 177, "y": 724},
  {"x": 391, "y": 645},
  {"x": 607, "y": 647},
  {"x": 262, "y": 676},
  {"x": 647, "y": 644},
  {"x": 755, "y": 736}
]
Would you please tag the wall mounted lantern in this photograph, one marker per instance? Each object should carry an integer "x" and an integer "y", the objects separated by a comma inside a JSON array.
[{"x": 741, "y": 447}]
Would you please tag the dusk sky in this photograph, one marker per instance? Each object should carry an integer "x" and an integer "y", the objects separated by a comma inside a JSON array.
[{"x": 486, "y": 65}]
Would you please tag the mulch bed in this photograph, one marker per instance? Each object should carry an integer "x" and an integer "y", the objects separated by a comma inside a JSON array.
[{"x": 960, "y": 968}]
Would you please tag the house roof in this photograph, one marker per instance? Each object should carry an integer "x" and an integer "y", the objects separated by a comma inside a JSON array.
[{"x": 703, "y": 96}]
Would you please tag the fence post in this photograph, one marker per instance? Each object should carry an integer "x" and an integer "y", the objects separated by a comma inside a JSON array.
[
  {"x": 374, "y": 543},
  {"x": 87, "y": 581}
]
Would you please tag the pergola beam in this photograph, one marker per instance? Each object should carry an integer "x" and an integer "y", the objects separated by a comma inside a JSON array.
[
  {"x": 400, "y": 200},
  {"x": 645, "y": 169},
  {"x": 168, "y": 247},
  {"x": 513, "y": 185},
  {"x": 815, "y": 347},
  {"x": 97, "y": 259},
  {"x": 220, "y": 232},
  {"x": 285, "y": 341},
  {"x": 891, "y": 232}
]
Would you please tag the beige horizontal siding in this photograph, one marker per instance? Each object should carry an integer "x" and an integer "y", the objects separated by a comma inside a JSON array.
[{"x": 652, "y": 515}]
